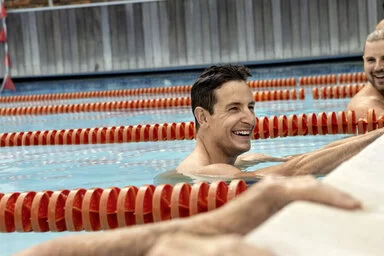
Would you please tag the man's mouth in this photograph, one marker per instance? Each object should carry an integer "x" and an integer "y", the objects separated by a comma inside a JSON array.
[
  {"x": 242, "y": 133},
  {"x": 379, "y": 76}
]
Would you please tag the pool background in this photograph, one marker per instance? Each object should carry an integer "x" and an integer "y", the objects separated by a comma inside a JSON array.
[
  {"x": 103, "y": 165},
  {"x": 129, "y": 36}
]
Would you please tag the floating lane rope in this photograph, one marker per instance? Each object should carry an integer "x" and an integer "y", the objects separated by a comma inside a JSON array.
[
  {"x": 272, "y": 127},
  {"x": 284, "y": 82},
  {"x": 139, "y": 104},
  {"x": 101, "y": 209},
  {"x": 336, "y": 92},
  {"x": 96, "y": 94},
  {"x": 333, "y": 79},
  {"x": 272, "y": 83}
]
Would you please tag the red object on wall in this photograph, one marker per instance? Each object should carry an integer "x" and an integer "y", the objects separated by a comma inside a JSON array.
[
  {"x": 3, "y": 36},
  {"x": 9, "y": 85},
  {"x": 3, "y": 13},
  {"x": 7, "y": 60}
]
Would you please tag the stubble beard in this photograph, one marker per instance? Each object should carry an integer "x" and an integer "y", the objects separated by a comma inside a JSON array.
[{"x": 378, "y": 87}]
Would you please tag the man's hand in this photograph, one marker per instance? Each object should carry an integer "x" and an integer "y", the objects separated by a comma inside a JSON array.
[
  {"x": 265, "y": 198},
  {"x": 308, "y": 188}
]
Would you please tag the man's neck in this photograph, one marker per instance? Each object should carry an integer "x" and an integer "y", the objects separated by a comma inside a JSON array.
[
  {"x": 373, "y": 91},
  {"x": 210, "y": 154}
]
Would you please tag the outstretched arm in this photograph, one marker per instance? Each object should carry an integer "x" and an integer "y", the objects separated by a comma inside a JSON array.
[
  {"x": 240, "y": 216},
  {"x": 324, "y": 160}
]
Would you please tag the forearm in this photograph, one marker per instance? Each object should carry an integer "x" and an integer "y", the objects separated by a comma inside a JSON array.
[
  {"x": 138, "y": 240},
  {"x": 324, "y": 160},
  {"x": 134, "y": 241},
  {"x": 250, "y": 159}
]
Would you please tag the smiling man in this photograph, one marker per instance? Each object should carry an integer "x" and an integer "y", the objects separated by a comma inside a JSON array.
[
  {"x": 223, "y": 107},
  {"x": 372, "y": 95}
]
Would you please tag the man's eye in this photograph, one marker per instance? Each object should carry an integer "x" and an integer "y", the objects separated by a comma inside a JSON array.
[
  {"x": 371, "y": 60},
  {"x": 233, "y": 109},
  {"x": 251, "y": 108}
]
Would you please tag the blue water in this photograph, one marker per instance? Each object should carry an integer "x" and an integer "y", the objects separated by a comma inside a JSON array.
[{"x": 57, "y": 167}]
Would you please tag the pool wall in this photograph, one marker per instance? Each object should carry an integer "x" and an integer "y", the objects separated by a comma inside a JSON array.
[{"x": 151, "y": 35}]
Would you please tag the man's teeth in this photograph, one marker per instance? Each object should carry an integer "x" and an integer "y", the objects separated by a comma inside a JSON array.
[
  {"x": 380, "y": 76},
  {"x": 242, "y": 133}
]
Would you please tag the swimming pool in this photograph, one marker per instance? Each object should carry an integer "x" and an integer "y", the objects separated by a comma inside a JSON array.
[{"x": 103, "y": 165}]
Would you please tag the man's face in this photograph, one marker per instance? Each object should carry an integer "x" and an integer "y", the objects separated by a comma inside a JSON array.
[
  {"x": 233, "y": 119},
  {"x": 374, "y": 64}
]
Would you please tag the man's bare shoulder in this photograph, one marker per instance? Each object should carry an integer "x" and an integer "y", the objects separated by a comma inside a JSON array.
[
  {"x": 363, "y": 101},
  {"x": 367, "y": 98}
]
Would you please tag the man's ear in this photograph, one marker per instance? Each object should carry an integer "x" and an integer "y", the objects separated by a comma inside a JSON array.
[{"x": 201, "y": 116}]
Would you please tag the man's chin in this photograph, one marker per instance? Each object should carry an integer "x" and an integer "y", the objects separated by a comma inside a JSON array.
[
  {"x": 243, "y": 149},
  {"x": 378, "y": 86}
]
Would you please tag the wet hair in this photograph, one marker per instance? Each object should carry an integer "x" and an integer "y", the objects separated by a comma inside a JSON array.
[
  {"x": 376, "y": 35},
  {"x": 202, "y": 93}
]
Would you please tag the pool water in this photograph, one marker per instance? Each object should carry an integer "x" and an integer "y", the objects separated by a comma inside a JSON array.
[{"x": 103, "y": 165}]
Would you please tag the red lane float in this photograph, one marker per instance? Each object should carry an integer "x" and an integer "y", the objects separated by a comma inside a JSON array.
[
  {"x": 317, "y": 80},
  {"x": 102, "y": 209},
  {"x": 279, "y": 95},
  {"x": 311, "y": 124},
  {"x": 358, "y": 77},
  {"x": 23, "y": 211},
  {"x": 138, "y": 104},
  {"x": 331, "y": 79},
  {"x": 266, "y": 127},
  {"x": 284, "y": 82},
  {"x": 97, "y": 94},
  {"x": 136, "y": 133},
  {"x": 336, "y": 92},
  {"x": 97, "y": 106},
  {"x": 73, "y": 210},
  {"x": 137, "y": 91},
  {"x": 39, "y": 211}
]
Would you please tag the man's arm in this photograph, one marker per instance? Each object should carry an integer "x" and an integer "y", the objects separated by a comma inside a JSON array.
[
  {"x": 324, "y": 160},
  {"x": 238, "y": 216},
  {"x": 192, "y": 245},
  {"x": 249, "y": 159}
]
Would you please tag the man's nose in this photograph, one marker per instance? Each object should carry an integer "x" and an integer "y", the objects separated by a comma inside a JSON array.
[
  {"x": 249, "y": 117},
  {"x": 379, "y": 65}
]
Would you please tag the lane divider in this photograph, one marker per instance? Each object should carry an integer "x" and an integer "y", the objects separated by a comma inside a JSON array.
[
  {"x": 336, "y": 92},
  {"x": 120, "y": 134},
  {"x": 333, "y": 79},
  {"x": 96, "y": 94},
  {"x": 138, "y": 104},
  {"x": 347, "y": 78},
  {"x": 137, "y": 91},
  {"x": 272, "y": 127},
  {"x": 283, "y": 82},
  {"x": 316, "y": 80},
  {"x": 102, "y": 209}
]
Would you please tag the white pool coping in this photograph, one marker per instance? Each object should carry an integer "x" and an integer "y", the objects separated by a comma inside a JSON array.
[{"x": 304, "y": 228}]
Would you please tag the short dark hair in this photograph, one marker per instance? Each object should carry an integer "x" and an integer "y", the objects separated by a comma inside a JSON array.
[{"x": 202, "y": 93}]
